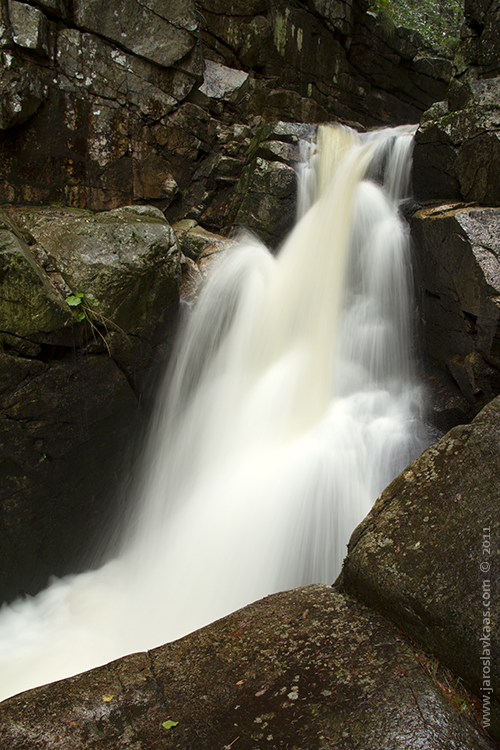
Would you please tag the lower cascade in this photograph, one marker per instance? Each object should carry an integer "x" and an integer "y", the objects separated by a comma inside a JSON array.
[{"x": 292, "y": 404}]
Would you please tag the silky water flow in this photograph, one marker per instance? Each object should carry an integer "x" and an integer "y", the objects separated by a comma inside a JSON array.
[{"x": 291, "y": 406}]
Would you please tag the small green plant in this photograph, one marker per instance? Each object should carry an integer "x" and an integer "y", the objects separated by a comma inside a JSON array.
[
  {"x": 76, "y": 301},
  {"x": 84, "y": 312}
]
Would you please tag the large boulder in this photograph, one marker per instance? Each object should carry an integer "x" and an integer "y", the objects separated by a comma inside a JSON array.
[
  {"x": 308, "y": 668},
  {"x": 458, "y": 260},
  {"x": 268, "y": 194},
  {"x": 427, "y": 555},
  {"x": 457, "y": 146},
  {"x": 125, "y": 262}
]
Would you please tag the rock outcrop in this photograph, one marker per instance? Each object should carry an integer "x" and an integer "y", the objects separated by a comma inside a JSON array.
[
  {"x": 306, "y": 668},
  {"x": 266, "y": 194},
  {"x": 457, "y": 146},
  {"x": 426, "y": 556},
  {"x": 480, "y": 47},
  {"x": 458, "y": 255},
  {"x": 87, "y": 307}
]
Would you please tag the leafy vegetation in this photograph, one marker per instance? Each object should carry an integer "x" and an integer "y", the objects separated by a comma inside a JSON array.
[
  {"x": 83, "y": 312},
  {"x": 438, "y": 21},
  {"x": 76, "y": 301}
]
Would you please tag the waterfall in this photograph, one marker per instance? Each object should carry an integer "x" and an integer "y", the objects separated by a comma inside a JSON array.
[{"x": 292, "y": 404}]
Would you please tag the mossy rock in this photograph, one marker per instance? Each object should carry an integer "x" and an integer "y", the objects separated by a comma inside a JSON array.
[
  {"x": 28, "y": 302},
  {"x": 125, "y": 262}
]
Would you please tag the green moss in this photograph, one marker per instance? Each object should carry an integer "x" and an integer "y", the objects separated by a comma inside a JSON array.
[{"x": 438, "y": 21}]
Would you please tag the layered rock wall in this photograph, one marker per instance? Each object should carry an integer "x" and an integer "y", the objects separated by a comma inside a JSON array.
[{"x": 119, "y": 102}]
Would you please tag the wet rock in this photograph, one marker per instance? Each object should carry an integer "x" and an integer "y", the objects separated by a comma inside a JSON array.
[
  {"x": 211, "y": 256},
  {"x": 191, "y": 281},
  {"x": 427, "y": 556},
  {"x": 457, "y": 146},
  {"x": 202, "y": 251},
  {"x": 458, "y": 255},
  {"x": 268, "y": 190},
  {"x": 265, "y": 200},
  {"x": 22, "y": 90},
  {"x": 31, "y": 29},
  {"x": 14, "y": 369},
  {"x": 125, "y": 262},
  {"x": 162, "y": 33},
  {"x": 194, "y": 240},
  {"x": 304, "y": 668},
  {"x": 71, "y": 386}
]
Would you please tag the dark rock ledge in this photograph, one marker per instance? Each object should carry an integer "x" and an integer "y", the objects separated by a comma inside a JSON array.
[{"x": 310, "y": 668}]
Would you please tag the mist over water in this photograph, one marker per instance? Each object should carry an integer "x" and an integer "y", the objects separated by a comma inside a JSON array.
[{"x": 291, "y": 406}]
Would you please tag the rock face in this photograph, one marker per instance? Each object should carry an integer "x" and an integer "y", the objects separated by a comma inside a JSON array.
[
  {"x": 160, "y": 32},
  {"x": 266, "y": 195},
  {"x": 426, "y": 555},
  {"x": 28, "y": 301},
  {"x": 457, "y": 150},
  {"x": 480, "y": 37},
  {"x": 126, "y": 105},
  {"x": 325, "y": 57},
  {"x": 306, "y": 668},
  {"x": 71, "y": 387},
  {"x": 458, "y": 255}
]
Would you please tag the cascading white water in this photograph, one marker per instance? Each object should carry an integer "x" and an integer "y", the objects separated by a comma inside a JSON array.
[{"x": 291, "y": 406}]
